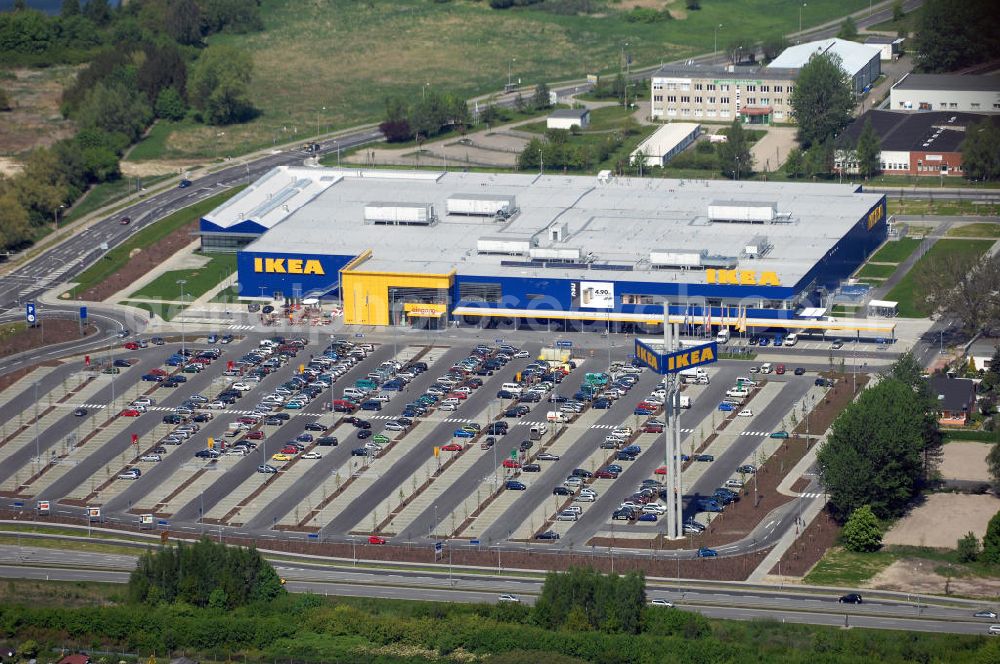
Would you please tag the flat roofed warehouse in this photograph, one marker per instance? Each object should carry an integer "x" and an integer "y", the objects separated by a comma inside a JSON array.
[{"x": 561, "y": 245}]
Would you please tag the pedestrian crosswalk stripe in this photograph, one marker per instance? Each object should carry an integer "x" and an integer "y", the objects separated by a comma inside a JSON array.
[
  {"x": 241, "y": 327},
  {"x": 810, "y": 495}
]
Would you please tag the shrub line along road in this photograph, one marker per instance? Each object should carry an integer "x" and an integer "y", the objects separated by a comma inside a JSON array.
[{"x": 733, "y": 601}]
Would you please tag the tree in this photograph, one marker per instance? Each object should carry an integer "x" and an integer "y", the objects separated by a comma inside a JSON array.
[
  {"x": 540, "y": 100},
  {"x": 862, "y": 533},
  {"x": 738, "y": 49},
  {"x": 113, "y": 106},
  {"x": 28, "y": 649},
  {"x": 98, "y": 11},
  {"x": 183, "y": 21},
  {"x": 822, "y": 100},
  {"x": 991, "y": 541},
  {"x": 848, "y": 29},
  {"x": 163, "y": 67},
  {"x": 693, "y": 5},
  {"x": 735, "y": 160},
  {"x": 795, "y": 164},
  {"x": 993, "y": 464},
  {"x": 868, "y": 151},
  {"x": 772, "y": 46},
  {"x": 968, "y": 548},
  {"x": 981, "y": 151},
  {"x": 874, "y": 453},
  {"x": 69, "y": 8},
  {"x": 953, "y": 35},
  {"x": 5, "y": 104},
  {"x": 220, "y": 85},
  {"x": 910, "y": 372},
  {"x": 991, "y": 377},
  {"x": 170, "y": 105},
  {"x": 15, "y": 229},
  {"x": 897, "y": 11},
  {"x": 962, "y": 288}
]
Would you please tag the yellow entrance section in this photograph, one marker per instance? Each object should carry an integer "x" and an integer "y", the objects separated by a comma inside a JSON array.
[{"x": 366, "y": 294}]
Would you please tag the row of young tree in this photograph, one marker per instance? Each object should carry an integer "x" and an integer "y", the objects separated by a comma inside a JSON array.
[
  {"x": 143, "y": 65},
  {"x": 582, "y": 599},
  {"x": 205, "y": 573}
]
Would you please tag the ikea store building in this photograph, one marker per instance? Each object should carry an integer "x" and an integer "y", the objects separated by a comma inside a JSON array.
[{"x": 433, "y": 249}]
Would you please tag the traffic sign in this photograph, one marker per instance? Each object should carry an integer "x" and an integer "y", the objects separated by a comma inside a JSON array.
[
  {"x": 498, "y": 341},
  {"x": 474, "y": 542},
  {"x": 83, "y": 313},
  {"x": 313, "y": 535},
  {"x": 564, "y": 343},
  {"x": 359, "y": 335},
  {"x": 29, "y": 313},
  {"x": 43, "y": 507},
  {"x": 513, "y": 454},
  {"x": 437, "y": 546},
  {"x": 162, "y": 522},
  {"x": 19, "y": 504}
]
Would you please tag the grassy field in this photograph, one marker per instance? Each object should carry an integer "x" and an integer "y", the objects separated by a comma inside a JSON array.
[
  {"x": 847, "y": 569},
  {"x": 981, "y": 229},
  {"x": 911, "y": 305},
  {"x": 876, "y": 271},
  {"x": 329, "y": 64},
  {"x": 908, "y": 24},
  {"x": 979, "y": 436},
  {"x": 941, "y": 207},
  {"x": 199, "y": 280},
  {"x": 117, "y": 257},
  {"x": 896, "y": 251},
  {"x": 165, "y": 311}
]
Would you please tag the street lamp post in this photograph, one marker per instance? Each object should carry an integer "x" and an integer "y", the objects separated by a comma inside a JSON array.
[
  {"x": 715, "y": 49},
  {"x": 181, "y": 282},
  {"x": 800, "y": 20},
  {"x": 510, "y": 69}
]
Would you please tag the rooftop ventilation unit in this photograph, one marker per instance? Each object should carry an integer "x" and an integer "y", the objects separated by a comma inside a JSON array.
[
  {"x": 503, "y": 246},
  {"x": 743, "y": 212},
  {"x": 400, "y": 214},
  {"x": 481, "y": 205},
  {"x": 757, "y": 246},
  {"x": 569, "y": 254},
  {"x": 667, "y": 258}
]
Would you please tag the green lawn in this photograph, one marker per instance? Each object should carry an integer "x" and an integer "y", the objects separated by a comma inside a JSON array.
[
  {"x": 199, "y": 280},
  {"x": 911, "y": 305},
  {"x": 944, "y": 208},
  {"x": 154, "y": 144},
  {"x": 329, "y": 64},
  {"x": 845, "y": 311},
  {"x": 844, "y": 568},
  {"x": 895, "y": 251},
  {"x": 608, "y": 118},
  {"x": 164, "y": 311},
  {"x": 981, "y": 229},
  {"x": 115, "y": 259},
  {"x": 908, "y": 23},
  {"x": 876, "y": 271}
]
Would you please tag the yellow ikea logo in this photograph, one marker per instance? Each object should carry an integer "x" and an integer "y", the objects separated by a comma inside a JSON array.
[
  {"x": 742, "y": 278},
  {"x": 287, "y": 266},
  {"x": 647, "y": 357},
  {"x": 875, "y": 216},
  {"x": 689, "y": 358}
]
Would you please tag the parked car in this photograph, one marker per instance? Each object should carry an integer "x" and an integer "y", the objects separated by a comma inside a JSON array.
[
  {"x": 514, "y": 485},
  {"x": 705, "y": 552},
  {"x": 547, "y": 535},
  {"x": 375, "y": 539}
]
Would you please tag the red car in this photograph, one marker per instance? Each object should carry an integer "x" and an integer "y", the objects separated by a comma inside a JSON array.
[
  {"x": 130, "y": 412},
  {"x": 124, "y": 221},
  {"x": 375, "y": 539},
  {"x": 131, "y": 345},
  {"x": 662, "y": 470},
  {"x": 458, "y": 395},
  {"x": 159, "y": 372},
  {"x": 202, "y": 360},
  {"x": 452, "y": 447},
  {"x": 605, "y": 475},
  {"x": 511, "y": 463},
  {"x": 255, "y": 435},
  {"x": 653, "y": 428},
  {"x": 646, "y": 405},
  {"x": 780, "y": 369},
  {"x": 288, "y": 449}
]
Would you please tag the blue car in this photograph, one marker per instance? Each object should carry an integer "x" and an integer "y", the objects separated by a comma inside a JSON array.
[
  {"x": 462, "y": 433},
  {"x": 514, "y": 485},
  {"x": 642, "y": 411},
  {"x": 614, "y": 468},
  {"x": 705, "y": 552},
  {"x": 602, "y": 404},
  {"x": 763, "y": 341},
  {"x": 709, "y": 505},
  {"x": 726, "y": 406},
  {"x": 647, "y": 517}
]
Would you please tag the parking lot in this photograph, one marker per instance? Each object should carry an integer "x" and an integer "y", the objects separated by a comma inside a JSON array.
[{"x": 396, "y": 442}]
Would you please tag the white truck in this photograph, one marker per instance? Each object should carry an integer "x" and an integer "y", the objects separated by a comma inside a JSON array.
[
  {"x": 695, "y": 375},
  {"x": 723, "y": 336}
]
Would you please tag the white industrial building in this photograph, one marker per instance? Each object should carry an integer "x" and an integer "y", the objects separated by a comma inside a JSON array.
[
  {"x": 890, "y": 48},
  {"x": 567, "y": 118},
  {"x": 860, "y": 62},
  {"x": 946, "y": 92},
  {"x": 666, "y": 142}
]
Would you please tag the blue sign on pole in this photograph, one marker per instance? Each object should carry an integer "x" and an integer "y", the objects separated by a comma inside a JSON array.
[
  {"x": 437, "y": 546},
  {"x": 29, "y": 313},
  {"x": 313, "y": 536},
  {"x": 19, "y": 504},
  {"x": 83, "y": 313},
  {"x": 162, "y": 522},
  {"x": 474, "y": 542},
  {"x": 564, "y": 343},
  {"x": 358, "y": 335},
  {"x": 498, "y": 341}
]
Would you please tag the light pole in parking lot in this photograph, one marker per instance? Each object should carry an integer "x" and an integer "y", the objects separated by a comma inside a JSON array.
[
  {"x": 181, "y": 282},
  {"x": 38, "y": 454}
]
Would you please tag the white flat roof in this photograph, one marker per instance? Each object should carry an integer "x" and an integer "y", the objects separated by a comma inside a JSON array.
[
  {"x": 666, "y": 138},
  {"x": 853, "y": 56},
  {"x": 273, "y": 197},
  {"x": 618, "y": 221}
]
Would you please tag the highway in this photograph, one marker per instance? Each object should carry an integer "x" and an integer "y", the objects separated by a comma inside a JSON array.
[{"x": 735, "y": 601}]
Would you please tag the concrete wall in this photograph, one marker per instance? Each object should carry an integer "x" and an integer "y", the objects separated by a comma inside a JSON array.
[{"x": 966, "y": 101}]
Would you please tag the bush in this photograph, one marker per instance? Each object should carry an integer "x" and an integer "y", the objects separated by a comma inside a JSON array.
[
  {"x": 862, "y": 533},
  {"x": 968, "y": 548}
]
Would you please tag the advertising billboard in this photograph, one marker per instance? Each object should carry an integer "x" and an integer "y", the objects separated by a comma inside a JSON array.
[
  {"x": 677, "y": 361},
  {"x": 592, "y": 294}
]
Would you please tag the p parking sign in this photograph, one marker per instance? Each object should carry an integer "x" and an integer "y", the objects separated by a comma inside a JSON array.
[{"x": 29, "y": 313}]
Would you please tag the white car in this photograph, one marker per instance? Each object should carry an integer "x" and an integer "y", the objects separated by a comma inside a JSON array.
[
  {"x": 151, "y": 457},
  {"x": 216, "y": 405},
  {"x": 654, "y": 508},
  {"x": 588, "y": 492},
  {"x": 623, "y": 431},
  {"x": 463, "y": 390},
  {"x": 746, "y": 412},
  {"x": 236, "y": 451},
  {"x": 659, "y": 601},
  {"x": 394, "y": 426},
  {"x": 522, "y": 354},
  {"x": 448, "y": 406},
  {"x": 509, "y": 598},
  {"x": 311, "y": 455},
  {"x": 584, "y": 498},
  {"x": 242, "y": 387}
]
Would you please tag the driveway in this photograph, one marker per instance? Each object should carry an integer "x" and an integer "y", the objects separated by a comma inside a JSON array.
[{"x": 770, "y": 152}]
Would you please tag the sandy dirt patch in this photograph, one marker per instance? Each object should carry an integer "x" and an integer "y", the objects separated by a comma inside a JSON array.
[
  {"x": 918, "y": 575},
  {"x": 152, "y": 167},
  {"x": 9, "y": 166},
  {"x": 487, "y": 148},
  {"x": 35, "y": 120},
  {"x": 965, "y": 461},
  {"x": 943, "y": 519}
]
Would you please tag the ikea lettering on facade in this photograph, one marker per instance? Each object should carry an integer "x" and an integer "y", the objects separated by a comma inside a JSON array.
[
  {"x": 667, "y": 363},
  {"x": 287, "y": 266},
  {"x": 742, "y": 277}
]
